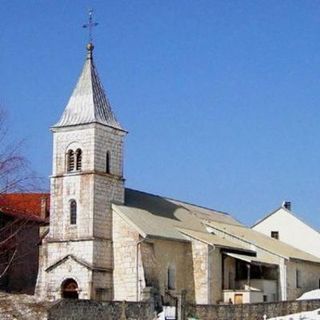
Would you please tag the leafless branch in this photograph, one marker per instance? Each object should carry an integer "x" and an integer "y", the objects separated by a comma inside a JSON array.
[
  {"x": 8, "y": 264},
  {"x": 15, "y": 176}
]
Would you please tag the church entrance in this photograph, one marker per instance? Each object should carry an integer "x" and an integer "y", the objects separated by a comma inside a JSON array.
[{"x": 69, "y": 289}]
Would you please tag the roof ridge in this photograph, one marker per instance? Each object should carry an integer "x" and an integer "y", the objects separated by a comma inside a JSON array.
[
  {"x": 266, "y": 216},
  {"x": 288, "y": 211}
]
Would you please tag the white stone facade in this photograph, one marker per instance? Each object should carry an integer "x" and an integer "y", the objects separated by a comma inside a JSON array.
[{"x": 88, "y": 243}]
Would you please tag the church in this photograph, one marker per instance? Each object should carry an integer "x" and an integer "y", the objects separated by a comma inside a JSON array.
[{"x": 108, "y": 242}]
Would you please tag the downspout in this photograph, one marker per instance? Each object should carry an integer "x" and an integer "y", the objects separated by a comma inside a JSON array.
[
  {"x": 249, "y": 276},
  {"x": 137, "y": 267}
]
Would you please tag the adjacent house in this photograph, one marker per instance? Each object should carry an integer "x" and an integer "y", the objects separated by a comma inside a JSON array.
[
  {"x": 286, "y": 226},
  {"x": 21, "y": 217}
]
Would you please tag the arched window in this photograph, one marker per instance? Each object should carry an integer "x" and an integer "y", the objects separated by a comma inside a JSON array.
[
  {"x": 70, "y": 160},
  {"x": 171, "y": 278},
  {"x": 78, "y": 159},
  {"x": 108, "y": 162},
  {"x": 73, "y": 212}
]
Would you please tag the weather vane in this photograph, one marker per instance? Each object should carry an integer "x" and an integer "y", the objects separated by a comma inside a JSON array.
[{"x": 90, "y": 25}]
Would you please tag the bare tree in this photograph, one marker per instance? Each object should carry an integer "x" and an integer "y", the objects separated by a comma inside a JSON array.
[
  {"x": 15, "y": 172},
  {"x": 15, "y": 176}
]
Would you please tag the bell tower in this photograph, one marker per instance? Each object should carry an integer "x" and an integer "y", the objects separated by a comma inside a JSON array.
[{"x": 87, "y": 177}]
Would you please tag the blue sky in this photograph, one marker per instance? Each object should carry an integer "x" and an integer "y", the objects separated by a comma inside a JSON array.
[{"x": 221, "y": 98}]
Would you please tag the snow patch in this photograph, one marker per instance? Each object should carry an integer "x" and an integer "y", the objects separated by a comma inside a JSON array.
[
  {"x": 310, "y": 315},
  {"x": 310, "y": 295}
]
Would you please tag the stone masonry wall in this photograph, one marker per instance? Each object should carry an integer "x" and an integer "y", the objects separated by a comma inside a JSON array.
[
  {"x": 309, "y": 277},
  {"x": 154, "y": 258},
  {"x": 116, "y": 310},
  {"x": 94, "y": 189},
  {"x": 252, "y": 311},
  {"x": 125, "y": 240},
  {"x": 215, "y": 274},
  {"x": 200, "y": 271},
  {"x": 160, "y": 255},
  {"x": 93, "y": 310},
  {"x": 108, "y": 140}
]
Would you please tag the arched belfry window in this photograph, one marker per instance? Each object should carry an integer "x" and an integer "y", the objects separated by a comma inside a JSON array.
[
  {"x": 78, "y": 159},
  {"x": 70, "y": 160},
  {"x": 108, "y": 162},
  {"x": 73, "y": 212}
]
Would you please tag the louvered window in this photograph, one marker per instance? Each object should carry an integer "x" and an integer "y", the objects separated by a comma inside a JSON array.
[
  {"x": 73, "y": 212},
  {"x": 78, "y": 159},
  {"x": 70, "y": 161},
  {"x": 108, "y": 162}
]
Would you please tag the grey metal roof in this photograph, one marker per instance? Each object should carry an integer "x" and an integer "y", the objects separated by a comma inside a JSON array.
[
  {"x": 158, "y": 216},
  {"x": 214, "y": 240},
  {"x": 88, "y": 102}
]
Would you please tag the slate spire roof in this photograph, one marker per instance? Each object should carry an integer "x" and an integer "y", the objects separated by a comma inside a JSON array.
[{"x": 88, "y": 102}]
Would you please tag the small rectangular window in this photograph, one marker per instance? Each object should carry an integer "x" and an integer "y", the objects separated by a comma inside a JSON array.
[{"x": 275, "y": 235}]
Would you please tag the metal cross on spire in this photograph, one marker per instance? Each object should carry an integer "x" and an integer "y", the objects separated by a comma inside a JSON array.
[{"x": 90, "y": 25}]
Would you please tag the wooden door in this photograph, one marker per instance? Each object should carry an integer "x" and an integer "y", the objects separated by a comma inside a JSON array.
[{"x": 238, "y": 298}]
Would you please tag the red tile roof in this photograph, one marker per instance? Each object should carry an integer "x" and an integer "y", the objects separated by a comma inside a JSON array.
[{"x": 25, "y": 205}]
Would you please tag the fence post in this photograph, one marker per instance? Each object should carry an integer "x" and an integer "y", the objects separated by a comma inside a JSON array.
[{"x": 123, "y": 311}]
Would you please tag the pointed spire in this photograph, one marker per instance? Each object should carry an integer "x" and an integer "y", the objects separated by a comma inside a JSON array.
[
  {"x": 90, "y": 48},
  {"x": 88, "y": 102}
]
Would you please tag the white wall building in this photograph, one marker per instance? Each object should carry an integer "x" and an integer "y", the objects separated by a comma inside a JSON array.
[{"x": 284, "y": 225}]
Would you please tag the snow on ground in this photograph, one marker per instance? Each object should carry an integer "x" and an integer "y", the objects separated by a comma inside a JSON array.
[
  {"x": 313, "y": 294},
  {"x": 310, "y": 315}
]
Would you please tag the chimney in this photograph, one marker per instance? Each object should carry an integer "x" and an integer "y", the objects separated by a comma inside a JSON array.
[
  {"x": 44, "y": 207},
  {"x": 287, "y": 205}
]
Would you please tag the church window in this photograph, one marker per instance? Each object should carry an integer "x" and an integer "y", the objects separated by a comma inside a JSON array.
[
  {"x": 78, "y": 159},
  {"x": 73, "y": 212},
  {"x": 108, "y": 162},
  {"x": 298, "y": 278},
  {"x": 171, "y": 278},
  {"x": 70, "y": 161}
]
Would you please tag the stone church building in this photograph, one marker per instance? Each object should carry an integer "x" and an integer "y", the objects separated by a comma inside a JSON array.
[{"x": 107, "y": 242}]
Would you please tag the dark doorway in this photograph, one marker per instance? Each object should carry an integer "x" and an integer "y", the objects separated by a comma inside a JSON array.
[{"x": 69, "y": 289}]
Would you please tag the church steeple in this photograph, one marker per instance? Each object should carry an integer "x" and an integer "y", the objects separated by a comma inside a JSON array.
[
  {"x": 87, "y": 177},
  {"x": 88, "y": 102}
]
